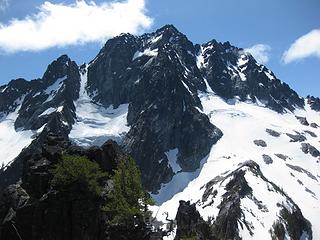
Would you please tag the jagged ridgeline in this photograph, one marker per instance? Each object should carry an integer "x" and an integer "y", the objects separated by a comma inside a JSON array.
[{"x": 184, "y": 112}]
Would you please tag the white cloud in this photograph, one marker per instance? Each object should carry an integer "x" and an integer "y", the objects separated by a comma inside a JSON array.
[
  {"x": 78, "y": 23},
  {"x": 306, "y": 46},
  {"x": 4, "y": 4},
  {"x": 261, "y": 52}
]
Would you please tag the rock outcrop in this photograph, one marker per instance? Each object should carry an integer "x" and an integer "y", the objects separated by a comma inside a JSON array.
[
  {"x": 31, "y": 208},
  {"x": 314, "y": 102},
  {"x": 233, "y": 212},
  {"x": 190, "y": 225}
]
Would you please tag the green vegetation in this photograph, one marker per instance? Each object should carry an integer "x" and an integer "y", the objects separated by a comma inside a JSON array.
[
  {"x": 77, "y": 170},
  {"x": 127, "y": 200}
]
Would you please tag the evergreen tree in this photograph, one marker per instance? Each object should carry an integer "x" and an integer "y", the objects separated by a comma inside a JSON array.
[
  {"x": 127, "y": 200},
  {"x": 74, "y": 170}
]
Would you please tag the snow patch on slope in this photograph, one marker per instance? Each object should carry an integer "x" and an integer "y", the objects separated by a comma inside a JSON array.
[
  {"x": 147, "y": 52},
  {"x": 242, "y": 66},
  {"x": 48, "y": 111},
  {"x": 95, "y": 124},
  {"x": 201, "y": 56},
  {"x": 13, "y": 140},
  {"x": 209, "y": 89},
  {"x": 172, "y": 156},
  {"x": 177, "y": 184},
  {"x": 156, "y": 39},
  {"x": 52, "y": 90},
  {"x": 269, "y": 75}
]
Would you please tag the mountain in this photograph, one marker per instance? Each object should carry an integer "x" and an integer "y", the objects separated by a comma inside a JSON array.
[{"x": 224, "y": 146}]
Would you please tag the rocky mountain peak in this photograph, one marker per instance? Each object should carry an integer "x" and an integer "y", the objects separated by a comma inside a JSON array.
[
  {"x": 58, "y": 68},
  {"x": 233, "y": 73},
  {"x": 169, "y": 31},
  {"x": 37, "y": 100},
  {"x": 169, "y": 28}
]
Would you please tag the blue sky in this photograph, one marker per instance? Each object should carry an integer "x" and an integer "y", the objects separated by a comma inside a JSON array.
[{"x": 276, "y": 25}]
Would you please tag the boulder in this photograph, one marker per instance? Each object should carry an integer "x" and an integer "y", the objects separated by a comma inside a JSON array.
[
  {"x": 260, "y": 143},
  {"x": 303, "y": 120},
  {"x": 273, "y": 132},
  {"x": 267, "y": 159},
  {"x": 308, "y": 148},
  {"x": 298, "y": 137}
]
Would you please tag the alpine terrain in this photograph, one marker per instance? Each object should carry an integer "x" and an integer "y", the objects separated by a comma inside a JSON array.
[{"x": 225, "y": 148}]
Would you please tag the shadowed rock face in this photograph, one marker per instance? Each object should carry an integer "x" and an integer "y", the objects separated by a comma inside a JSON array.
[
  {"x": 10, "y": 94},
  {"x": 107, "y": 73},
  {"x": 190, "y": 225}
]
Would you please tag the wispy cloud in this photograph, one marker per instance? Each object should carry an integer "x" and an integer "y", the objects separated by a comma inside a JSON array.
[
  {"x": 4, "y": 4},
  {"x": 78, "y": 23},
  {"x": 306, "y": 46},
  {"x": 261, "y": 52}
]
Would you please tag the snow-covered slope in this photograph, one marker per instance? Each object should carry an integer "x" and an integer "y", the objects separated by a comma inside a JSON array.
[
  {"x": 280, "y": 158},
  {"x": 12, "y": 141}
]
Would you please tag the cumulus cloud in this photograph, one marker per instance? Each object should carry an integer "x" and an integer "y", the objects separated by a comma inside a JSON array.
[
  {"x": 261, "y": 52},
  {"x": 4, "y": 4},
  {"x": 57, "y": 25},
  {"x": 306, "y": 46}
]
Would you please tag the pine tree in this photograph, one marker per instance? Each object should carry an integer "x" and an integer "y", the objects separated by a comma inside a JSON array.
[
  {"x": 127, "y": 200},
  {"x": 74, "y": 170}
]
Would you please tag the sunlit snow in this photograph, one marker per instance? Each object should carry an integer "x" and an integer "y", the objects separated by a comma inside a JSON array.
[
  {"x": 96, "y": 124},
  {"x": 242, "y": 123},
  {"x": 52, "y": 90},
  {"x": 13, "y": 140},
  {"x": 48, "y": 111},
  {"x": 147, "y": 52}
]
